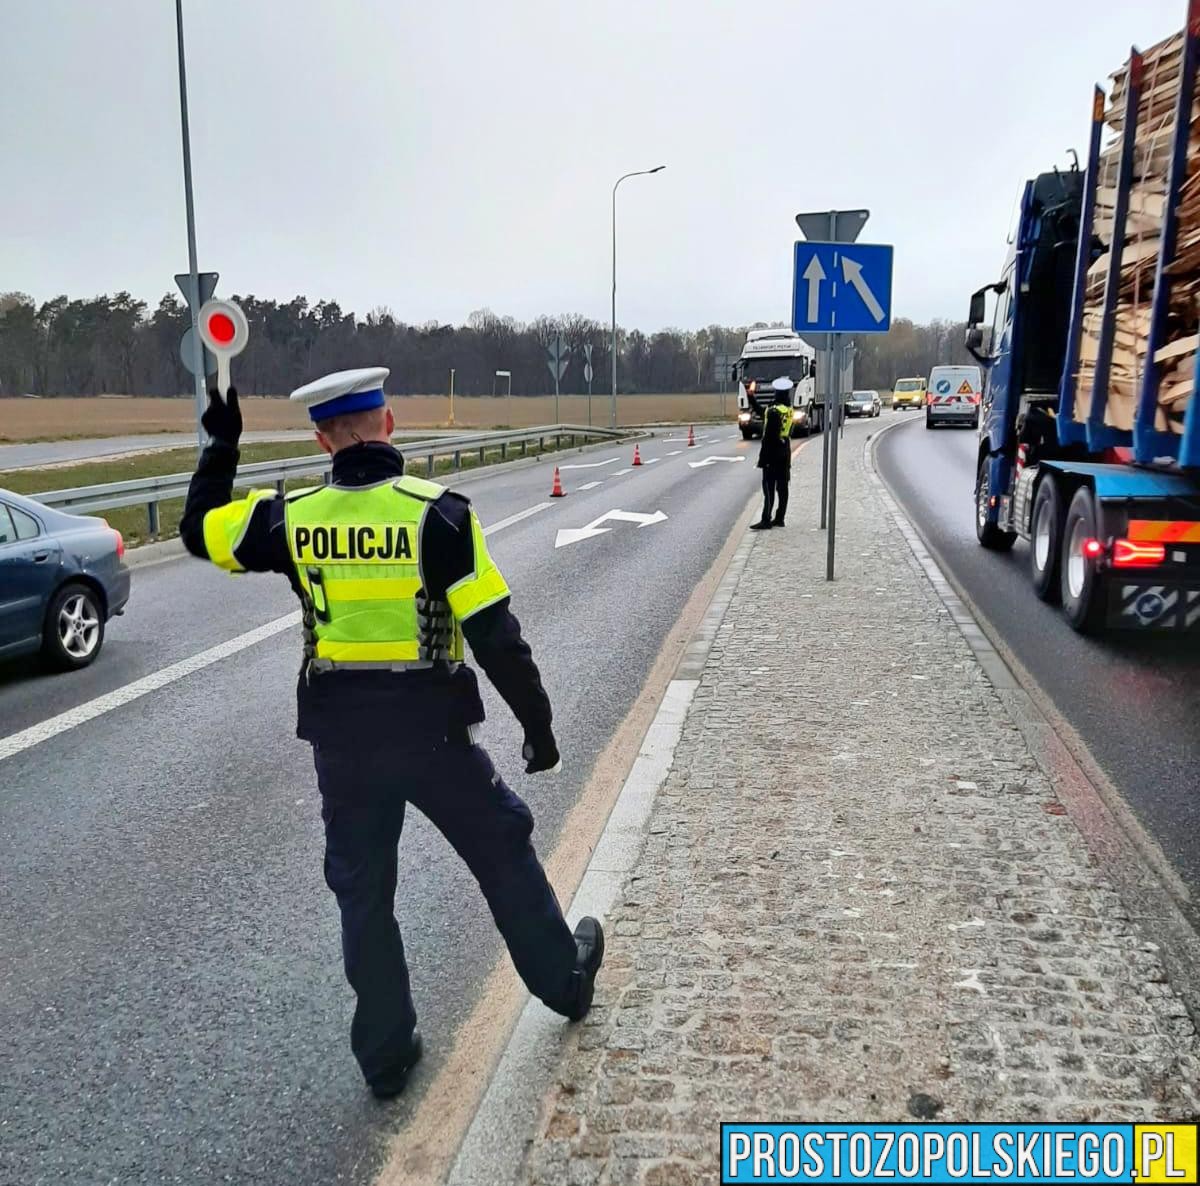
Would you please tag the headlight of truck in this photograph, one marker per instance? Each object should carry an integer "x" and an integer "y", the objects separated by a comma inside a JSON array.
[{"x": 744, "y": 418}]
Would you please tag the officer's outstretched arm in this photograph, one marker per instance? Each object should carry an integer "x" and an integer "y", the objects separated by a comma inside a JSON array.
[{"x": 240, "y": 535}]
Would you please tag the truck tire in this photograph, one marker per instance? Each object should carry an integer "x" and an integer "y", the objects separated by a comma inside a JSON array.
[
  {"x": 746, "y": 434},
  {"x": 989, "y": 534},
  {"x": 1045, "y": 543},
  {"x": 1084, "y": 587}
]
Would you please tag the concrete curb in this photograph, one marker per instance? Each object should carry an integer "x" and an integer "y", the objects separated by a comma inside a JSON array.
[
  {"x": 1139, "y": 871},
  {"x": 159, "y": 552},
  {"x": 492, "y": 1152}
]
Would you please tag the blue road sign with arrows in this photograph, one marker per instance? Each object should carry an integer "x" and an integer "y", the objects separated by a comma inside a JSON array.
[{"x": 842, "y": 288}]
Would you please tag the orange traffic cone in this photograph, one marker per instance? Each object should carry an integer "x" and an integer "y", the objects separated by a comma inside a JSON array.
[
  {"x": 691, "y": 436},
  {"x": 557, "y": 491},
  {"x": 637, "y": 457}
]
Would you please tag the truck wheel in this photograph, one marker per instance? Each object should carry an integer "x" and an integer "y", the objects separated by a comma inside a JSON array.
[
  {"x": 989, "y": 534},
  {"x": 1084, "y": 588},
  {"x": 1045, "y": 545},
  {"x": 746, "y": 434}
]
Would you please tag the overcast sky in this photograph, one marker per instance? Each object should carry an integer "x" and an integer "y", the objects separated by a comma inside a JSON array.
[{"x": 441, "y": 157}]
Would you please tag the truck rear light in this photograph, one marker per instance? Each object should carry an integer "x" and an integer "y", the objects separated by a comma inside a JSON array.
[
  {"x": 1093, "y": 549},
  {"x": 1127, "y": 554}
]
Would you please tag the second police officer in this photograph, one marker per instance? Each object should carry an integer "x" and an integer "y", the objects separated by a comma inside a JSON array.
[
  {"x": 393, "y": 573},
  {"x": 775, "y": 456}
]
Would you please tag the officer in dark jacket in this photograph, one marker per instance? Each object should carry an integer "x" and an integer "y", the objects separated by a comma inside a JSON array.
[
  {"x": 775, "y": 456},
  {"x": 392, "y": 573}
]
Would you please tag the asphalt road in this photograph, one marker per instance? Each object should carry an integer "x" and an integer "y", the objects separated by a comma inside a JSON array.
[
  {"x": 172, "y": 1005},
  {"x": 1135, "y": 701},
  {"x": 35, "y": 453}
]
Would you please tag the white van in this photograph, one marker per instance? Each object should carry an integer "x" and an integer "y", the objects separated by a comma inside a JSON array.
[{"x": 952, "y": 396}]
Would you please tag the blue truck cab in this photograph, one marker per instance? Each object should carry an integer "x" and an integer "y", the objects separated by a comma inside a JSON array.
[{"x": 1111, "y": 516}]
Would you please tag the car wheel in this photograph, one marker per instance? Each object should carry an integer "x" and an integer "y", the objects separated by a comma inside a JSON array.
[
  {"x": 1084, "y": 587},
  {"x": 989, "y": 534},
  {"x": 928, "y": 421},
  {"x": 74, "y": 628},
  {"x": 1045, "y": 544}
]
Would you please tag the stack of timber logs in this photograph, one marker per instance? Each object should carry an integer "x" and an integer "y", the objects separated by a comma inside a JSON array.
[{"x": 1176, "y": 356}]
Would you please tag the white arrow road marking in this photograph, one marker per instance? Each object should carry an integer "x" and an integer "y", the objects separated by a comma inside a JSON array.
[
  {"x": 852, "y": 270},
  {"x": 590, "y": 485},
  {"x": 590, "y": 464},
  {"x": 712, "y": 461},
  {"x": 503, "y": 523},
  {"x": 814, "y": 274},
  {"x": 572, "y": 535}
]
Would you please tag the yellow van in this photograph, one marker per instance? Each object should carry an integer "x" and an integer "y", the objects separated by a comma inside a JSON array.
[{"x": 908, "y": 393}]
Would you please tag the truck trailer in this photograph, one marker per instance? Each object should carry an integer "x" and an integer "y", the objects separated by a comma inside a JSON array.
[{"x": 1089, "y": 443}]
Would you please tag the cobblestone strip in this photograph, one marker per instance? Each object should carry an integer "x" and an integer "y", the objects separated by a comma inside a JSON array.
[{"x": 859, "y": 899}]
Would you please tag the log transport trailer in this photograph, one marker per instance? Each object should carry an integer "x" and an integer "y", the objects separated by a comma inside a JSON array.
[{"x": 1089, "y": 444}]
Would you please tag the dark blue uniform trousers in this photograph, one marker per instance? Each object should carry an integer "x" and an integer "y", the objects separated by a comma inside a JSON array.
[{"x": 364, "y": 795}]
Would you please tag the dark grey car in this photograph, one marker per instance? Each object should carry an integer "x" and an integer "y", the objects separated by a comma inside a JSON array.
[{"x": 61, "y": 579}]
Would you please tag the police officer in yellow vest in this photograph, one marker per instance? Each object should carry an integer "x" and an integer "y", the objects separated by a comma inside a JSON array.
[
  {"x": 775, "y": 456},
  {"x": 392, "y": 573}
]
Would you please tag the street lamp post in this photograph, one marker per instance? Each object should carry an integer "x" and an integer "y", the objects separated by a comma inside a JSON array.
[{"x": 639, "y": 173}]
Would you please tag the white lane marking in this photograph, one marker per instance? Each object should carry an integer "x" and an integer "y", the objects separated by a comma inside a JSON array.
[
  {"x": 590, "y": 464},
  {"x": 674, "y": 452},
  {"x": 712, "y": 461},
  {"x": 589, "y": 485},
  {"x": 17, "y": 742},
  {"x": 618, "y": 472},
  {"x": 651, "y": 460},
  {"x": 572, "y": 535},
  {"x": 503, "y": 523}
]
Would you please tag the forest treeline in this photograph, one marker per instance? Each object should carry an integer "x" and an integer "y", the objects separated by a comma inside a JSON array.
[{"x": 117, "y": 345}]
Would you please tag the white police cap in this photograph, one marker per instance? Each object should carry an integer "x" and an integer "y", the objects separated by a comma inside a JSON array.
[
  {"x": 783, "y": 383},
  {"x": 343, "y": 392}
]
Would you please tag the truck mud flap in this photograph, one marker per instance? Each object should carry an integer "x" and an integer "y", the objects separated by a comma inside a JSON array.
[{"x": 1144, "y": 605}]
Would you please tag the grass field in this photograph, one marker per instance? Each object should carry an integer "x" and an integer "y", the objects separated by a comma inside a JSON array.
[
  {"x": 133, "y": 522},
  {"x": 63, "y": 419}
]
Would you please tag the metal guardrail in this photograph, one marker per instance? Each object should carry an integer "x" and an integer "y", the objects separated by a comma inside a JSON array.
[{"x": 151, "y": 491}]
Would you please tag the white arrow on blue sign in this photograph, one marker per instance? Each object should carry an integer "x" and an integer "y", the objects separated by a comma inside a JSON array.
[{"x": 842, "y": 288}]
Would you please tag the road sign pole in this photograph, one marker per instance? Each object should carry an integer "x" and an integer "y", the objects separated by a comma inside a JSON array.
[
  {"x": 193, "y": 271},
  {"x": 836, "y": 400},
  {"x": 829, "y": 349}
]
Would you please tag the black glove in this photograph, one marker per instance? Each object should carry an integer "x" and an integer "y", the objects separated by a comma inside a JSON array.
[
  {"x": 540, "y": 753},
  {"x": 222, "y": 418}
]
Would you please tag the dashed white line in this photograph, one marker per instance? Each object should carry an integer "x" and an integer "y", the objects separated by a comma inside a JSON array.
[
  {"x": 652, "y": 460},
  {"x": 589, "y": 486},
  {"x": 618, "y": 472},
  {"x": 674, "y": 452},
  {"x": 503, "y": 523}
]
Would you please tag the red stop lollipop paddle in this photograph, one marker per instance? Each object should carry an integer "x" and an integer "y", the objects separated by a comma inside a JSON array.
[{"x": 225, "y": 331}]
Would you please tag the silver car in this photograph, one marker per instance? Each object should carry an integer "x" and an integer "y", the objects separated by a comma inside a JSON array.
[{"x": 863, "y": 403}]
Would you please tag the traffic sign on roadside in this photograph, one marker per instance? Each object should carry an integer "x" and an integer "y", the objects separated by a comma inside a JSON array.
[
  {"x": 842, "y": 288},
  {"x": 187, "y": 351}
]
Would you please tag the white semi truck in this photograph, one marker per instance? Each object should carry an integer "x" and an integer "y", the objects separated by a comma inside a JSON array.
[{"x": 770, "y": 354}]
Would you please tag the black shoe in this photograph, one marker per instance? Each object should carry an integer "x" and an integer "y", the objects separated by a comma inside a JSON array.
[
  {"x": 389, "y": 1086},
  {"x": 761, "y": 525},
  {"x": 589, "y": 955},
  {"x": 777, "y": 522}
]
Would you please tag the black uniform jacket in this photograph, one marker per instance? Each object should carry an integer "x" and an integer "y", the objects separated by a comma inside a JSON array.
[{"x": 350, "y": 708}]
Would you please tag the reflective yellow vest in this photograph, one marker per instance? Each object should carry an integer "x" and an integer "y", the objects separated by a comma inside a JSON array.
[
  {"x": 785, "y": 419},
  {"x": 357, "y": 553}
]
